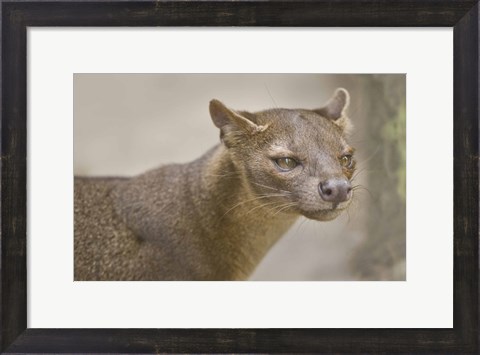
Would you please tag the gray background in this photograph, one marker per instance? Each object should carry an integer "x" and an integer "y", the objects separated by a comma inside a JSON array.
[{"x": 125, "y": 124}]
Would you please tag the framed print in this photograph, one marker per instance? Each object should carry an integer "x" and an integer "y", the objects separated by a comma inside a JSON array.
[{"x": 117, "y": 88}]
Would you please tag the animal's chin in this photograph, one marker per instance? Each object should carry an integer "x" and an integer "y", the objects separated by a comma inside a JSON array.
[{"x": 323, "y": 214}]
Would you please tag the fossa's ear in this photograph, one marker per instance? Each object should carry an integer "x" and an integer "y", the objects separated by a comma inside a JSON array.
[
  {"x": 335, "y": 109},
  {"x": 229, "y": 120}
]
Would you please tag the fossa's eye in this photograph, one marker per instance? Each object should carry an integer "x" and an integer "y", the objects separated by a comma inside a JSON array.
[
  {"x": 286, "y": 164},
  {"x": 346, "y": 161}
]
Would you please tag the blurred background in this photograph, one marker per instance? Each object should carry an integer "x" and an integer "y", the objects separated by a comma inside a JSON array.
[{"x": 125, "y": 124}]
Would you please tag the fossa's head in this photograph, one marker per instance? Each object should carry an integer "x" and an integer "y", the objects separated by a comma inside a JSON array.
[{"x": 296, "y": 160}]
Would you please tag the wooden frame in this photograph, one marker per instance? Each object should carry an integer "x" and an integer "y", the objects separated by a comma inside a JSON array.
[{"x": 462, "y": 15}]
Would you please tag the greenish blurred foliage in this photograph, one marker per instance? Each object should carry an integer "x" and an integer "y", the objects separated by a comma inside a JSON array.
[
  {"x": 382, "y": 256},
  {"x": 394, "y": 133}
]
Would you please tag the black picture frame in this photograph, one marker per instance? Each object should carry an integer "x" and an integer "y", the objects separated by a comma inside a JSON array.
[{"x": 16, "y": 16}]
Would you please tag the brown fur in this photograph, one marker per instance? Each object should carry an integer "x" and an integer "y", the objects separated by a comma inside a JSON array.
[{"x": 216, "y": 217}]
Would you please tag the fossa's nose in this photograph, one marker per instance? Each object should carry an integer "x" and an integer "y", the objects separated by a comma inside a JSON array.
[{"x": 335, "y": 190}]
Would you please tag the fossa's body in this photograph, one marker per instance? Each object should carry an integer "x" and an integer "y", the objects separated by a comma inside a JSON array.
[{"x": 216, "y": 217}]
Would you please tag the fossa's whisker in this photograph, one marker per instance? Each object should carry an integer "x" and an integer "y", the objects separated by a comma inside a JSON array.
[
  {"x": 284, "y": 207},
  {"x": 269, "y": 187},
  {"x": 252, "y": 200},
  {"x": 262, "y": 206}
]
